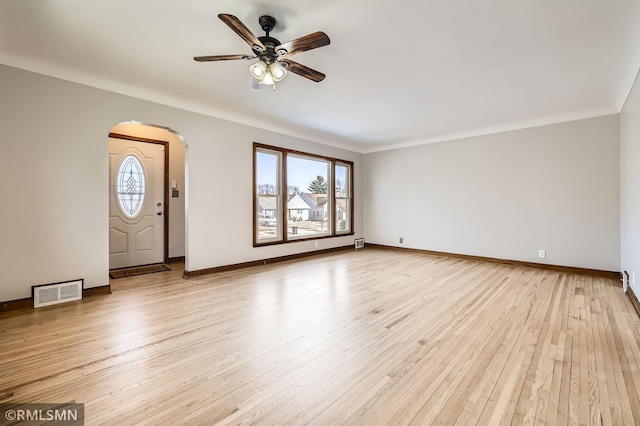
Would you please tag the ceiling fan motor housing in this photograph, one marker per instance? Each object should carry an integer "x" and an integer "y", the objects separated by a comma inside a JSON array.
[
  {"x": 270, "y": 54},
  {"x": 267, "y": 23}
]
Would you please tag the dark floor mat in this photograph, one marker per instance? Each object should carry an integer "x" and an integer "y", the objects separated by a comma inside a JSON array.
[{"x": 138, "y": 270}]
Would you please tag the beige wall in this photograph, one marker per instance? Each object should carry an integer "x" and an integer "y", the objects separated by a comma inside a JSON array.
[
  {"x": 630, "y": 187},
  {"x": 54, "y": 165},
  {"x": 504, "y": 195}
]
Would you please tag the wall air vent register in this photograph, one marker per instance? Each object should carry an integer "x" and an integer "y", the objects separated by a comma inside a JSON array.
[{"x": 52, "y": 294}]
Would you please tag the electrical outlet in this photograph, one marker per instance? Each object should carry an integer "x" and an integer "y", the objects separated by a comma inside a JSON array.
[
  {"x": 316, "y": 244},
  {"x": 401, "y": 240},
  {"x": 542, "y": 253}
]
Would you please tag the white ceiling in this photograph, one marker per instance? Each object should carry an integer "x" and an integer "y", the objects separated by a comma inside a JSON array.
[{"x": 398, "y": 72}]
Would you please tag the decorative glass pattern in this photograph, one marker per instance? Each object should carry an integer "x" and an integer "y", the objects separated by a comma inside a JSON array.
[{"x": 130, "y": 185}]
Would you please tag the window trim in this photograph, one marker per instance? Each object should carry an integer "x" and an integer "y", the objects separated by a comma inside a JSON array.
[{"x": 282, "y": 229}]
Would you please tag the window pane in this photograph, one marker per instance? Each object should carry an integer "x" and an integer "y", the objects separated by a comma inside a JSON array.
[
  {"x": 343, "y": 221},
  {"x": 308, "y": 204},
  {"x": 267, "y": 217},
  {"x": 342, "y": 181},
  {"x": 268, "y": 200},
  {"x": 130, "y": 184},
  {"x": 267, "y": 173}
]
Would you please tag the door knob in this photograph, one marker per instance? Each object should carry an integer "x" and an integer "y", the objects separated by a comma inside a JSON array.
[{"x": 159, "y": 213}]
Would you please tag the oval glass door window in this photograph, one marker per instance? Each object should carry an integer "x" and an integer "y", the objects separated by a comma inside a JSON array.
[{"x": 130, "y": 186}]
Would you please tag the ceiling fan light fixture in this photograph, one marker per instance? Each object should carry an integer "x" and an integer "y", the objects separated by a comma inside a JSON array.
[
  {"x": 278, "y": 71},
  {"x": 258, "y": 70}
]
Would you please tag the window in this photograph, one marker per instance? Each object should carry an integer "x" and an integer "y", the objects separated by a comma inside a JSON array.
[
  {"x": 294, "y": 199},
  {"x": 343, "y": 198},
  {"x": 267, "y": 195},
  {"x": 130, "y": 186}
]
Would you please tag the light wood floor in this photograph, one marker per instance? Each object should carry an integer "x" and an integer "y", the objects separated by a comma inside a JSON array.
[{"x": 357, "y": 337}]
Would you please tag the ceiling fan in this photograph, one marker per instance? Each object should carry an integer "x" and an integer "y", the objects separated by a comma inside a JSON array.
[{"x": 273, "y": 56}]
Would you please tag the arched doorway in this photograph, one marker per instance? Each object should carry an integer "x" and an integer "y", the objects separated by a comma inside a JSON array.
[{"x": 146, "y": 195}]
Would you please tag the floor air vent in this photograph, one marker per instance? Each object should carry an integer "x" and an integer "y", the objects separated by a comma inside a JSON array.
[
  {"x": 359, "y": 243},
  {"x": 52, "y": 294}
]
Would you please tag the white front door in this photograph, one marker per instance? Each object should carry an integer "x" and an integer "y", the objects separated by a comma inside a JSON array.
[{"x": 136, "y": 209}]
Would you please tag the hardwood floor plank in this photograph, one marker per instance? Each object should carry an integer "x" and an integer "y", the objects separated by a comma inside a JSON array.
[{"x": 535, "y": 331}]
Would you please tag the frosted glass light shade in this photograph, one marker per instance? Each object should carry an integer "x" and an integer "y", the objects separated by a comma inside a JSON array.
[
  {"x": 278, "y": 71},
  {"x": 258, "y": 69}
]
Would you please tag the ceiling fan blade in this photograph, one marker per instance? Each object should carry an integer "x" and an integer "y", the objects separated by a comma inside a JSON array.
[
  {"x": 302, "y": 44},
  {"x": 236, "y": 25},
  {"x": 303, "y": 70},
  {"x": 221, "y": 58}
]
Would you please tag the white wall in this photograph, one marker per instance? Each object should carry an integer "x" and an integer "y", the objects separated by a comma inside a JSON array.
[
  {"x": 505, "y": 195},
  {"x": 54, "y": 165},
  {"x": 630, "y": 187}
]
